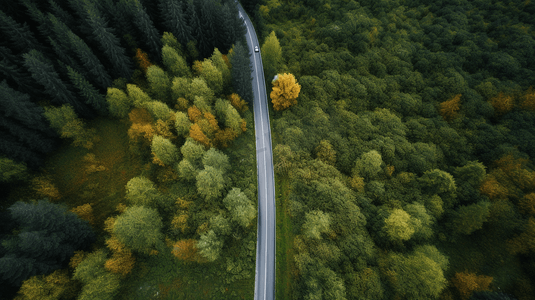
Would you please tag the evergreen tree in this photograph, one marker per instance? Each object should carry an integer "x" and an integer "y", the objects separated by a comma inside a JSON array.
[
  {"x": 11, "y": 171},
  {"x": 32, "y": 139},
  {"x": 60, "y": 12},
  {"x": 145, "y": 26},
  {"x": 14, "y": 150},
  {"x": 195, "y": 24},
  {"x": 208, "y": 21},
  {"x": 11, "y": 68},
  {"x": 48, "y": 236},
  {"x": 44, "y": 26},
  {"x": 174, "y": 20},
  {"x": 241, "y": 72},
  {"x": 20, "y": 36},
  {"x": 108, "y": 42},
  {"x": 90, "y": 62},
  {"x": 87, "y": 91},
  {"x": 43, "y": 72},
  {"x": 18, "y": 106}
]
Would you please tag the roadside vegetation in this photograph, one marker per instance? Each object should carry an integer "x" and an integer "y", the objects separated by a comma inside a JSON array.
[{"x": 403, "y": 147}]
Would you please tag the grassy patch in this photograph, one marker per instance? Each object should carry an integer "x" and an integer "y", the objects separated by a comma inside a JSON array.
[{"x": 285, "y": 237}]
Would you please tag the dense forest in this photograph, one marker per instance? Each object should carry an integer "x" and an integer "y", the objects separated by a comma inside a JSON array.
[
  {"x": 127, "y": 162},
  {"x": 404, "y": 155}
]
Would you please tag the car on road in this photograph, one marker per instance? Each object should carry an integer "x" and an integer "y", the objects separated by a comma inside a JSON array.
[{"x": 256, "y": 49}]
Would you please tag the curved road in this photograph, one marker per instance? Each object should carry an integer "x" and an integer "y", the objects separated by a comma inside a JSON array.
[{"x": 265, "y": 246}]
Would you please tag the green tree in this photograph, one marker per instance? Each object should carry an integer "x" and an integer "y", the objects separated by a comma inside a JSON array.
[
  {"x": 421, "y": 221},
  {"x": 20, "y": 36},
  {"x": 212, "y": 76},
  {"x": 158, "y": 110},
  {"x": 470, "y": 218},
  {"x": 271, "y": 55},
  {"x": 66, "y": 122},
  {"x": 326, "y": 153},
  {"x": 47, "y": 236},
  {"x": 108, "y": 43},
  {"x": 210, "y": 245},
  {"x": 220, "y": 225},
  {"x": 399, "y": 225},
  {"x": 51, "y": 287},
  {"x": 164, "y": 150},
  {"x": 419, "y": 275},
  {"x": 174, "y": 63},
  {"x": 175, "y": 20},
  {"x": 43, "y": 72},
  {"x": 368, "y": 165},
  {"x": 316, "y": 223},
  {"x": 160, "y": 84},
  {"x": 87, "y": 91},
  {"x": 97, "y": 282},
  {"x": 186, "y": 170},
  {"x": 230, "y": 116},
  {"x": 221, "y": 65},
  {"x": 180, "y": 87},
  {"x": 149, "y": 33},
  {"x": 217, "y": 159},
  {"x": 90, "y": 62},
  {"x": 119, "y": 103},
  {"x": 241, "y": 72},
  {"x": 192, "y": 151},
  {"x": 139, "y": 229},
  {"x": 140, "y": 191},
  {"x": 210, "y": 183},
  {"x": 240, "y": 207},
  {"x": 137, "y": 96},
  {"x": 182, "y": 123},
  {"x": 11, "y": 170},
  {"x": 473, "y": 172},
  {"x": 198, "y": 87}
]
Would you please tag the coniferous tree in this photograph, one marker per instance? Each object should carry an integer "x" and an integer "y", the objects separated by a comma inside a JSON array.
[
  {"x": 241, "y": 72},
  {"x": 90, "y": 62},
  {"x": 32, "y": 139},
  {"x": 144, "y": 24},
  {"x": 44, "y": 27},
  {"x": 14, "y": 150},
  {"x": 174, "y": 20},
  {"x": 48, "y": 237},
  {"x": 194, "y": 23},
  {"x": 108, "y": 42},
  {"x": 16, "y": 75},
  {"x": 60, "y": 12},
  {"x": 88, "y": 92},
  {"x": 43, "y": 72},
  {"x": 226, "y": 30},
  {"x": 208, "y": 22},
  {"x": 21, "y": 37},
  {"x": 17, "y": 105}
]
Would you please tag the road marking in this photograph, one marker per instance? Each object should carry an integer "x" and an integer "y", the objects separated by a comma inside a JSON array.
[{"x": 265, "y": 172}]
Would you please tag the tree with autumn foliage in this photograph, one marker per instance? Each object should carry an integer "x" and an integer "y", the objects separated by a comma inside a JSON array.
[
  {"x": 142, "y": 60},
  {"x": 285, "y": 91},
  {"x": 467, "y": 283},
  {"x": 186, "y": 250},
  {"x": 56, "y": 285},
  {"x": 502, "y": 103},
  {"x": 85, "y": 212},
  {"x": 450, "y": 108}
]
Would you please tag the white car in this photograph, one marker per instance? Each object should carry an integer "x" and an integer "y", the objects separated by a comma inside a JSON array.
[{"x": 256, "y": 49}]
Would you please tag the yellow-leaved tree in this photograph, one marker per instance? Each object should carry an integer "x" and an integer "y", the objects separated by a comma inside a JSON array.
[{"x": 285, "y": 91}]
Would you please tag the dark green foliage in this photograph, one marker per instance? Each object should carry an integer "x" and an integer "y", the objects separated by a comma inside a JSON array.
[
  {"x": 108, "y": 42},
  {"x": 86, "y": 90},
  {"x": 174, "y": 20},
  {"x": 47, "y": 237},
  {"x": 11, "y": 148},
  {"x": 488, "y": 295},
  {"x": 22, "y": 39},
  {"x": 145, "y": 26},
  {"x": 241, "y": 72},
  {"x": 43, "y": 72}
]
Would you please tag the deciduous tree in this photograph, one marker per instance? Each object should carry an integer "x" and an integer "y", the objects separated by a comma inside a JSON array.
[
  {"x": 210, "y": 245},
  {"x": 160, "y": 84},
  {"x": 240, "y": 207},
  {"x": 142, "y": 191},
  {"x": 502, "y": 103},
  {"x": 210, "y": 183},
  {"x": 139, "y": 229},
  {"x": 119, "y": 103},
  {"x": 271, "y": 55},
  {"x": 186, "y": 250},
  {"x": 164, "y": 151},
  {"x": 450, "y": 108},
  {"x": 174, "y": 63},
  {"x": 217, "y": 159},
  {"x": 467, "y": 283},
  {"x": 285, "y": 91},
  {"x": 316, "y": 223}
]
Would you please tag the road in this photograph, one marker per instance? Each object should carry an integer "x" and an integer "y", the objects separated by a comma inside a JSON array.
[{"x": 265, "y": 245}]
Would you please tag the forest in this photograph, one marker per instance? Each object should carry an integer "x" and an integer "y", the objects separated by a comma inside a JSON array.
[
  {"x": 404, "y": 156},
  {"x": 127, "y": 161}
]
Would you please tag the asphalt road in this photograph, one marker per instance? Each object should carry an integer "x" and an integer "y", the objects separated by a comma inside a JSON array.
[{"x": 265, "y": 245}]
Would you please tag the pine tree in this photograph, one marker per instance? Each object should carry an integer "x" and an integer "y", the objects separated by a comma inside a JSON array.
[
  {"x": 11, "y": 68},
  {"x": 43, "y": 72},
  {"x": 108, "y": 42},
  {"x": 195, "y": 24},
  {"x": 44, "y": 26},
  {"x": 63, "y": 15},
  {"x": 174, "y": 20},
  {"x": 14, "y": 150},
  {"x": 241, "y": 72},
  {"x": 90, "y": 62},
  {"x": 208, "y": 21},
  {"x": 87, "y": 91},
  {"x": 144, "y": 24},
  {"x": 18, "y": 106},
  {"x": 20, "y": 36},
  {"x": 32, "y": 139}
]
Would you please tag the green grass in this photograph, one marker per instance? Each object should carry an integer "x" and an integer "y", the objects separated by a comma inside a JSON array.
[{"x": 284, "y": 241}]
